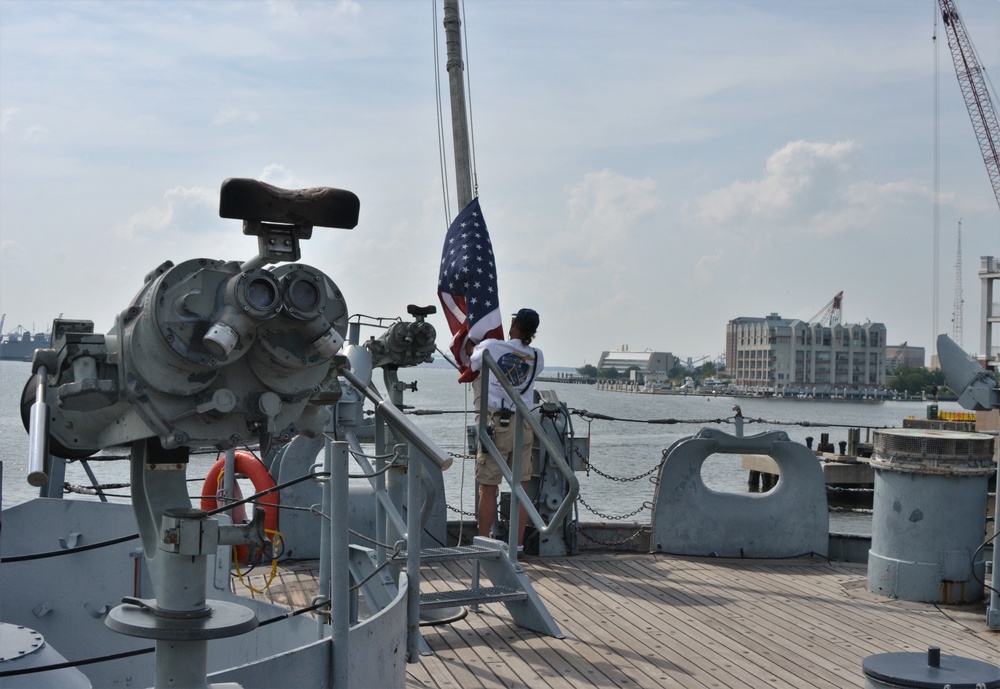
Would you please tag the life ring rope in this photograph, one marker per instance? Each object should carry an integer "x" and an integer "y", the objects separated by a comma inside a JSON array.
[
  {"x": 246, "y": 464},
  {"x": 279, "y": 541}
]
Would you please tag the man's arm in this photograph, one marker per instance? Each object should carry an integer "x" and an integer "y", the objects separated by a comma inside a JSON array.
[{"x": 475, "y": 354}]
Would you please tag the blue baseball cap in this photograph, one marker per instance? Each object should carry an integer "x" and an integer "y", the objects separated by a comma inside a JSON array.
[{"x": 527, "y": 319}]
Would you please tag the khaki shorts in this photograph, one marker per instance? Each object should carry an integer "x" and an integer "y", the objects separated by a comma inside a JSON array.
[{"x": 487, "y": 471}]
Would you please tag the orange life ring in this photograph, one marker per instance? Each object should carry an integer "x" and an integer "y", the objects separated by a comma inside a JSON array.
[{"x": 248, "y": 466}]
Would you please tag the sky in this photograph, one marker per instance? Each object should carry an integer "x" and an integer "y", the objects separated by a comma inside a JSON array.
[{"x": 648, "y": 170}]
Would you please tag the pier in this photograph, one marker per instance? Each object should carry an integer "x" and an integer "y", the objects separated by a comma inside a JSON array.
[{"x": 837, "y": 469}]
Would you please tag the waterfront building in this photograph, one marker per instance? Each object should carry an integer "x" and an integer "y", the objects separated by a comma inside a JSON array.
[
  {"x": 653, "y": 365},
  {"x": 790, "y": 356},
  {"x": 903, "y": 355}
]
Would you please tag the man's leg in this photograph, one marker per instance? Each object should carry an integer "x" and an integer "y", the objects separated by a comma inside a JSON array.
[
  {"x": 487, "y": 512},
  {"x": 522, "y": 521},
  {"x": 528, "y": 438}
]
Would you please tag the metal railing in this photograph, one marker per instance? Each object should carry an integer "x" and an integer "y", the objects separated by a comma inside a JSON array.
[
  {"x": 519, "y": 497},
  {"x": 409, "y": 528}
]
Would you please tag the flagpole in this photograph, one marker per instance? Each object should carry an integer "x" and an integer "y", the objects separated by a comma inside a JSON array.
[
  {"x": 459, "y": 120},
  {"x": 471, "y": 305}
]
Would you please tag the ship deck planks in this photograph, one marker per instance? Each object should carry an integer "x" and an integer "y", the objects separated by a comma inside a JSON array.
[{"x": 636, "y": 620}]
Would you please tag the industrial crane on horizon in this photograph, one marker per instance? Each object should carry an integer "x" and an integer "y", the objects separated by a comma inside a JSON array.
[
  {"x": 831, "y": 314},
  {"x": 972, "y": 82}
]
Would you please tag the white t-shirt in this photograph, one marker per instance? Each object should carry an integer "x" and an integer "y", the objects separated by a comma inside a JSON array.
[{"x": 521, "y": 365}]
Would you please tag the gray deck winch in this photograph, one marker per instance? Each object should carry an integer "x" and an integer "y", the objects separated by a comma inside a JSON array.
[{"x": 929, "y": 515}]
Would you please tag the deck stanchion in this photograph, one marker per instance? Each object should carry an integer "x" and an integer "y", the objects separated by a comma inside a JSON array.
[{"x": 340, "y": 582}]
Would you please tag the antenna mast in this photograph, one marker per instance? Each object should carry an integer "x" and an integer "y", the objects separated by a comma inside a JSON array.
[{"x": 956, "y": 315}]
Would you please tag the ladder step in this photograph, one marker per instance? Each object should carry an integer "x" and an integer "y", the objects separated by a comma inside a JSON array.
[
  {"x": 468, "y": 552},
  {"x": 492, "y": 594}
]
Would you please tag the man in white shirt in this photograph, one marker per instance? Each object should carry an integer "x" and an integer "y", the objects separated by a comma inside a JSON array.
[{"x": 521, "y": 364}]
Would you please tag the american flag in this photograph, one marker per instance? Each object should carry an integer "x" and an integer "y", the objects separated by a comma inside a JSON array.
[{"x": 467, "y": 285}]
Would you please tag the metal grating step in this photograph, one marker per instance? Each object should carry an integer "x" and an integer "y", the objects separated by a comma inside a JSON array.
[
  {"x": 469, "y": 552},
  {"x": 492, "y": 594}
]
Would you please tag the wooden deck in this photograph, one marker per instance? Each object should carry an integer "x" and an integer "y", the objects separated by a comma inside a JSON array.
[{"x": 641, "y": 620}]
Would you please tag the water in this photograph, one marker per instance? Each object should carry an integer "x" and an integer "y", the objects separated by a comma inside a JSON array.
[{"x": 622, "y": 449}]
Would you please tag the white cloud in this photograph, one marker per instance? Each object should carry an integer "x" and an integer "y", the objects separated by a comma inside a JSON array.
[
  {"x": 705, "y": 270},
  {"x": 12, "y": 254},
  {"x": 7, "y": 116},
  {"x": 604, "y": 208},
  {"x": 800, "y": 178},
  {"x": 185, "y": 210},
  {"x": 282, "y": 8},
  {"x": 198, "y": 195},
  {"x": 149, "y": 221},
  {"x": 35, "y": 133},
  {"x": 808, "y": 189},
  {"x": 279, "y": 176},
  {"x": 228, "y": 115},
  {"x": 32, "y": 133}
]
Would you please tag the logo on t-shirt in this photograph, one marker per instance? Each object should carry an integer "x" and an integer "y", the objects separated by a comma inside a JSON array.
[{"x": 516, "y": 367}]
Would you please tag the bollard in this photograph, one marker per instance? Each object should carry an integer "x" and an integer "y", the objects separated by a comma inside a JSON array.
[{"x": 928, "y": 517}]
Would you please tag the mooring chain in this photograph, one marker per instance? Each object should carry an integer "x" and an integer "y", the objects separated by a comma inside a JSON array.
[
  {"x": 643, "y": 506},
  {"x": 462, "y": 512},
  {"x": 810, "y": 424},
  {"x": 591, "y": 416},
  {"x": 459, "y": 455},
  {"x": 623, "y": 479}
]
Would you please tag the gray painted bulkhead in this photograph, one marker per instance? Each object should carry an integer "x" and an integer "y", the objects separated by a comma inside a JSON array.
[{"x": 66, "y": 599}]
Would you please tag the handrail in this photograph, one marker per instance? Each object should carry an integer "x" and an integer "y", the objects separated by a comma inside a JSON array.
[
  {"x": 399, "y": 423},
  {"x": 490, "y": 364},
  {"x": 380, "y": 493}
]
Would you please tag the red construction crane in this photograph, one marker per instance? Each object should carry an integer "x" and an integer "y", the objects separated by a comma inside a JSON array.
[
  {"x": 830, "y": 314},
  {"x": 973, "y": 85}
]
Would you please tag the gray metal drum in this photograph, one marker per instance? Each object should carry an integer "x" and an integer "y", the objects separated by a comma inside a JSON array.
[{"x": 929, "y": 514}]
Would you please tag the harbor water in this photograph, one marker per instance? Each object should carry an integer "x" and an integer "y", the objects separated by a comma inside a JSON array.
[{"x": 622, "y": 449}]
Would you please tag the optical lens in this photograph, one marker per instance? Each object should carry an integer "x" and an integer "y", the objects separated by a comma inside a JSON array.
[
  {"x": 303, "y": 295},
  {"x": 261, "y": 293}
]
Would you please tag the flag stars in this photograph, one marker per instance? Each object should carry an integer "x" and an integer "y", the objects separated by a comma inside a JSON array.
[{"x": 467, "y": 274}]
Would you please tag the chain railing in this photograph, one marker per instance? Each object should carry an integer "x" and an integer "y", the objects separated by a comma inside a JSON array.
[{"x": 590, "y": 417}]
